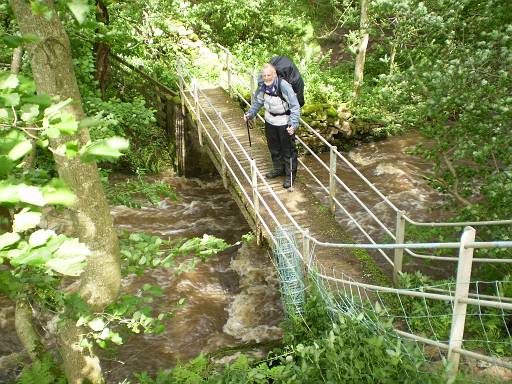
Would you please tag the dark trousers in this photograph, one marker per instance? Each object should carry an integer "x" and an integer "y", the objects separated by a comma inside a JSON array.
[{"x": 281, "y": 146}]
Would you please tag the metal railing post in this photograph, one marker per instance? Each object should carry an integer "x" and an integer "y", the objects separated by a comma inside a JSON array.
[
  {"x": 222, "y": 152},
  {"x": 332, "y": 180},
  {"x": 306, "y": 250},
  {"x": 398, "y": 252},
  {"x": 461, "y": 292},
  {"x": 253, "y": 86},
  {"x": 255, "y": 200},
  {"x": 228, "y": 66},
  {"x": 182, "y": 89},
  {"x": 198, "y": 113}
]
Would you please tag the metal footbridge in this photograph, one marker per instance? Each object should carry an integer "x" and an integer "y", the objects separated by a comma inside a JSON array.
[{"x": 324, "y": 249}]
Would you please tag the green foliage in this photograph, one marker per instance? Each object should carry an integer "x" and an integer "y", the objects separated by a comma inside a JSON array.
[
  {"x": 134, "y": 193},
  {"x": 344, "y": 351},
  {"x": 250, "y": 21},
  {"x": 42, "y": 371},
  {"x": 134, "y": 121},
  {"x": 21, "y": 115},
  {"x": 140, "y": 251}
]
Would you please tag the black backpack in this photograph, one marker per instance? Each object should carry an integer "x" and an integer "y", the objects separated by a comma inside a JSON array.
[{"x": 287, "y": 70}]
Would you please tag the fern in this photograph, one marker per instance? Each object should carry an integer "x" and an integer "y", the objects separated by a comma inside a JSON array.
[{"x": 42, "y": 371}]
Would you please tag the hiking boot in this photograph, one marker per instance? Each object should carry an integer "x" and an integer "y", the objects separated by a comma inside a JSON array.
[{"x": 274, "y": 173}]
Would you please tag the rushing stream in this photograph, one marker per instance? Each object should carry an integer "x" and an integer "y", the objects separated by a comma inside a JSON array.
[
  {"x": 230, "y": 300},
  {"x": 233, "y": 299},
  {"x": 400, "y": 176}
]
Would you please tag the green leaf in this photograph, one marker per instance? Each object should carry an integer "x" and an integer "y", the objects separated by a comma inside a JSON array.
[
  {"x": 97, "y": 324},
  {"x": 56, "y": 107},
  {"x": 20, "y": 150},
  {"x": 40, "y": 237},
  {"x": 52, "y": 132},
  {"x": 72, "y": 248},
  {"x": 43, "y": 101},
  {"x": 41, "y": 9},
  {"x": 29, "y": 112},
  {"x": 57, "y": 192},
  {"x": 8, "y": 239},
  {"x": 12, "y": 41},
  {"x": 10, "y": 99},
  {"x": 4, "y": 114},
  {"x": 9, "y": 82},
  {"x": 66, "y": 123},
  {"x": 79, "y": 8},
  {"x": 68, "y": 149},
  {"x": 68, "y": 263},
  {"x": 25, "y": 220},
  {"x": 35, "y": 257},
  {"x": 30, "y": 195},
  {"x": 8, "y": 193},
  {"x": 116, "y": 338},
  {"x": 106, "y": 149},
  {"x": 30, "y": 38},
  {"x": 89, "y": 122},
  {"x": 6, "y": 165}
]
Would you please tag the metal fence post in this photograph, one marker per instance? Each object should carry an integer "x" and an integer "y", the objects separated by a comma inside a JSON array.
[
  {"x": 253, "y": 85},
  {"x": 461, "y": 292},
  {"x": 182, "y": 89},
  {"x": 228, "y": 65},
  {"x": 306, "y": 250},
  {"x": 399, "y": 252},
  {"x": 332, "y": 180},
  {"x": 198, "y": 113},
  {"x": 222, "y": 152},
  {"x": 255, "y": 200}
]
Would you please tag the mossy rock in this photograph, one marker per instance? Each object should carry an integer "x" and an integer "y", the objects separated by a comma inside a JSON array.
[
  {"x": 331, "y": 112},
  {"x": 316, "y": 108}
]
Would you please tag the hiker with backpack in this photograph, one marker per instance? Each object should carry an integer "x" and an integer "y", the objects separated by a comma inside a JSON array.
[{"x": 282, "y": 114}]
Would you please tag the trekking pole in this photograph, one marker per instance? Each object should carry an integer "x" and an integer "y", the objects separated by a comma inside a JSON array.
[{"x": 249, "y": 135}]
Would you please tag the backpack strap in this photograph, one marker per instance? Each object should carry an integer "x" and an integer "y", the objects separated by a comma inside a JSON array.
[{"x": 279, "y": 91}]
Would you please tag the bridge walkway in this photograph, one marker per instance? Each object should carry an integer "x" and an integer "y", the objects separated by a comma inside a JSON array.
[{"x": 302, "y": 205}]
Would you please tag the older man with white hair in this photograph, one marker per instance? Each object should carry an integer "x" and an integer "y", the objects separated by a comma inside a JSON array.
[{"x": 282, "y": 114}]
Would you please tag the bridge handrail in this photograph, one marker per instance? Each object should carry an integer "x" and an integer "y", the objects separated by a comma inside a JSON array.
[
  {"x": 247, "y": 156},
  {"x": 283, "y": 208},
  {"x": 375, "y": 189},
  {"x": 446, "y": 245},
  {"x": 460, "y": 297}
]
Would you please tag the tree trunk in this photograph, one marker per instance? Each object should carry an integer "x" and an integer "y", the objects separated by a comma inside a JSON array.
[
  {"x": 17, "y": 55},
  {"x": 102, "y": 50},
  {"x": 25, "y": 329},
  {"x": 54, "y": 74},
  {"x": 361, "y": 50}
]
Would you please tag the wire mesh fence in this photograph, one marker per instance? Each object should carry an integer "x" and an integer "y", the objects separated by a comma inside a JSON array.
[{"x": 289, "y": 267}]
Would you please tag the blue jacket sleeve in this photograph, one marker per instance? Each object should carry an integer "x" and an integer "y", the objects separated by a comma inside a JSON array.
[{"x": 293, "y": 104}]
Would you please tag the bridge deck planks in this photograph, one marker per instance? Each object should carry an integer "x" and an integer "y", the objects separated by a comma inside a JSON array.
[{"x": 301, "y": 203}]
